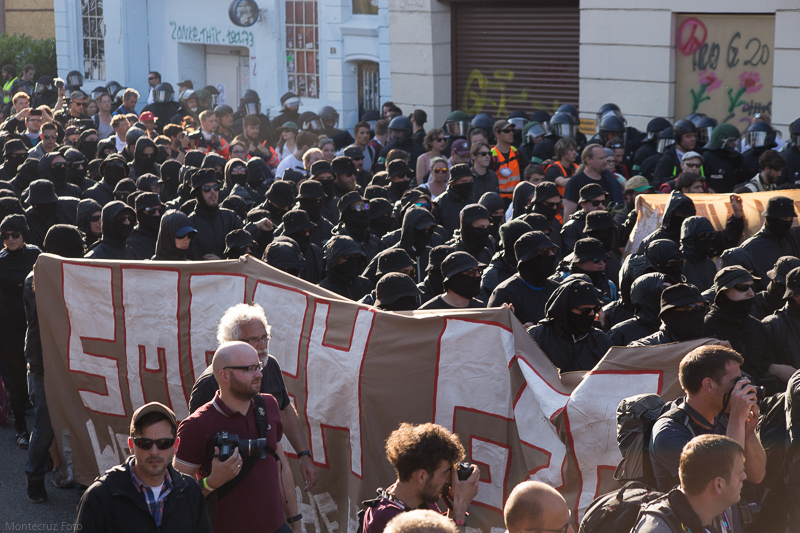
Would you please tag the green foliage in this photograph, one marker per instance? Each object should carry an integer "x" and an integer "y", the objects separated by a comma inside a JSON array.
[{"x": 19, "y": 50}]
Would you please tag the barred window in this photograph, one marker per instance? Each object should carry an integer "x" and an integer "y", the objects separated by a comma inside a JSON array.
[
  {"x": 302, "y": 47},
  {"x": 94, "y": 45}
]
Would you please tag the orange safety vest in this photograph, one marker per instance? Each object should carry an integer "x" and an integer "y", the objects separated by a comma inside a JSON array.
[{"x": 508, "y": 183}]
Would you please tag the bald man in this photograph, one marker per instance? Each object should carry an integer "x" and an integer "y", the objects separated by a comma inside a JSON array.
[
  {"x": 534, "y": 506},
  {"x": 253, "y": 501}
]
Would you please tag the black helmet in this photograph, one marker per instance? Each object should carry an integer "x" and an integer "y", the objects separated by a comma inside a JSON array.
[
  {"x": 214, "y": 92},
  {"x": 570, "y": 110},
  {"x": 250, "y": 104},
  {"x": 112, "y": 87},
  {"x": 532, "y": 130},
  {"x": 399, "y": 129},
  {"x": 608, "y": 109},
  {"x": 223, "y": 109},
  {"x": 97, "y": 91},
  {"x": 74, "y": 79},
  {"x": 163, "y": 92},
  {"x": 656, "y": 126},
  {"x": 691, "y": 117},
  {"x": 518, "y": 118},
  {"x": 309, "y": 121},
  {"x": 760, "y": 134},
  {"x": 483, "y": 121},
  {"x": 456, "y": 124},
  {"x": 794, "y": 131},
  {"x": 682, "y": 127},
  {"x": 44, "y": 83},
  {"x": 562, "y": 125},
  {"x": 329, "y": 114},
  {"x": 542, "y": 117},
  {"x": 611, "y": 124},
  {"x": 666, "y": 139},
  {"x": 705, "y": 125}
]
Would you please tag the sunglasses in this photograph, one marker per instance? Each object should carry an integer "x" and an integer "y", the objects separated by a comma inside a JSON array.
[
  {"x": 129, "y": 218},
  {"x": 146, "y": 444},
  {"x": 79, "y": 104},
  {"x": 250, "y": 369},
  {"x": 157, "y": 210},
  {"x": 426, "y": 205},
  {"x": 440, "y": 140},
  {"x": 743, "y": 287},
  {"x": 189, "y": 236},
  {"x": 692, "y": 165},
  {"x": 675, "y": 262},
  {"x": 547, "y": 251},
  {"x": 209, "y": 188},
  {"x": 440, "y": 170},
  {"x": 554, "y": 204},
  {"x": 95, "y": 218},
  {"x": 49, "y": 137},
  {"x": 58, "y": 165},
  {"x": 589, "y": 311},
  {"x": 598, "y": 260},
  {"x": 692, "y": 307},
  {"x": 361, "y": 207},
  {"x": 484, "y": 154},
  {"x": 11, "y": 235},
  {"x": 596, "y": 203},
  {"x": 474, "y": 272},
  {"x": 508, "y": 130}
]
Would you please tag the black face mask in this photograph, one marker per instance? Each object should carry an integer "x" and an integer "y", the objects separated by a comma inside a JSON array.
[
  {"x": 436, "y": 281},
  {"x": 13, "y": 162},
  {"x": 399, "y": 187},
  {"x": 535, "y": 271},
  {"x": 675, "y": 273},
  {"x": 543, "y": 208},
  {"x": 740, "y": 308},
  {"x": 404, "y": 303},
  {"x": 686, "y": 325},
  {"x": 350, "y": 269},
  {"x": 579, "y": 325},
  {"x": 302, "y": 240},
  {"x": 477, "y": 237},
  {"x": 123, "y": 230},
  {"x": 75, "y": 175},
  {"x": 776, "y": 290},
  {"x": 705, "y": 248},
  {"x": 421, "y": 239},
  {"x": 597, "y": 276},
  {"x": 356, "y": 220},
  {"x": 462, "y": 190},
  {"x": 328, "y": 187},
  {"x": 114, "y": 173},
  {"x": 465, "y": 286},
  {"x": 47, "y": 211},
  {"x": 497, "y": 221},
  {"x": 239, "y": 179},
  {"x": 778, "y": 226},
  {"x": 312, "y": 207},
  {"x": 149, "y": 222},
  {"x": 59, "y": 174},
  {"x": 605, "y": 236},
  {"x": 275, "y": 213},
  {"x": 88, "y": 149},
  {"x": 381, "y": 226}
]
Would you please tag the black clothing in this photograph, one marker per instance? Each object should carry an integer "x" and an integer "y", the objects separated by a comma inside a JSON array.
[
  {"x": 112, "y": 243},
  {"x": 572, "y": 231},
  {"x": 414, "y": 151},
  {"x": 645, "y": 150},
  {"x": 722, "y": 168},
  {"x": 141, "y": 244},
  {"x": 369, "y": 243},
  {"x": 528, "y": 301},
  {"x": 165, "y": 249},
  {"x": 699, "y": 269},
  {"x": 766, "y": 247},
  {"x": 783, "y": 328},
  {"x": 646, "y": 301},
  {"x": 668, "y": 167},
  {"x": 265, "y": 132},
  {"x": 767, "y": 301},
  {"x": 488, "y": 182},
  {"x": 519, "y": 200},
  {"x": 439, "y": 303},
  {"x": 141, "y": 166},
  {"x": 352, "y": 287},
  {"x": 86, "y": 208},
  {"x": 101, "y": 192},
  {"x": 314, "y": 266},
  {"x": 450, "y": 206},
  {"x": 747, "y": 335},
  {"x": 212, "y": 225},
  {"x": 409, "y": 241},
  {"x": 663, "y": 336},
  {"x": 39, "y": 223},
  {"x": 60, "y": 183},
  {"x": 678, "y": 207},
  {"x": 607, "y": 181},
  {"x": 500, "y": 269},
  {"x": 791, "y": 172},
  {"x": 544, "y": 149}
]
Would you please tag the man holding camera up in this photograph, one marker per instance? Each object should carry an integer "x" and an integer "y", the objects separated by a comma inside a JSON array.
[
  {"x": 427, "y": 459},
  {"x": 241, "y": 479}
]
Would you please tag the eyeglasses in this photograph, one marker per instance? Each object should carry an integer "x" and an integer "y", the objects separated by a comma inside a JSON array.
[
  {"x": 474, "y": 272},
  {"x": 596, "y": 203},
  {"x": 426, "y": 205},
  {"x": 50, "y": 137},
  {"x": 508, "y": 130},
  {"x": 209, "y": 188},
  {"x": 11, "y": 235},
  {"x": 440, "y": 170},
  {"x": 129, "y": 218},
  {"x": 250, "y": 369},
  {"x": 79, "y": 104},
  {"x": 360, "y": 207},
  {"x": 561, "y": 530},
  {"x": 157, "y": 210},
  {"x": 743, "y": 287},
  {"x": 58, "y": 165},
  {"x": 255, "y": 340},
  {"x": 692, "y": 307},
  {"x": 692, "y": 165},
  {"x": 547, "y": 251},
  {"x": 151, "y": 78},
  {"x": 146, "y": 444},
  {"x": 589, "y": 311},
  {"x": 597, "y": 260},
  {"x": 95, "y": 218},
  {"x": 483, "y": 154}
]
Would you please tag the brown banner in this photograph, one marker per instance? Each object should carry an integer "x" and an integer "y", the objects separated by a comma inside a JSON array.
[{"x": 119, "y": 334}]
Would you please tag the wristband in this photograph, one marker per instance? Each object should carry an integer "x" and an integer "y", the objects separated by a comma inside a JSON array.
[
  {"x": 307, "y": 453},
  {"x": 205, "y": 485},
  {"x": 295, "y": 518},
  {"x": 460, "y": 522}
]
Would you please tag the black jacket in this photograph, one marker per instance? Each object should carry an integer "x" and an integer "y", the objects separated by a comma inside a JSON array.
[
  {"x": 668, "y": 167},
  {"x": 646, "y": 301},
  {"x": 499, "y": 270},
  {"x": 766, "y": 247},
  {"x": 783, "y": 329},
  {"x": 450, "y": 206},
  {"x": 165, "y": 249},
  {"x": 412, "y": 217},
  {"x": 572, "y": 231},
  {"x": 138, "y": 166},
  {"x": 353, "y": 289},
  {"x": 698, "y": 270},
  {"x": 529, "y": 303},
  {"x": 112, "y": 244},
  {"x": 62, "y": 186},
  {"x": 113, "y": 503},
  {"x": 33, "y": 342},
  {"x": 141, "y": 244},
  {"x": 747, "y": 335},
  {"x": 722, "y": 168},
  {"x": 663, "y": 336},
  {"x": 212, "y": 226},
  {"x": 371, "y": 246},
  {"x": 101, "y": 192}
]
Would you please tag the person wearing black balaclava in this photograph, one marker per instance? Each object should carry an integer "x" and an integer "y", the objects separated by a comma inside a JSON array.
[
  {"x": 16, "y": 262},
  {"x": 175, "y": 234},
  {"x": 697, "y": 247},
  {"x": 141, "y": 244},
  {"x": 354, "y": 222},
  {"x": 738, "y": 257},
  {"x": 169, "y": 180},
  {"x": 87, "y": 144},
  {"x": 729, "y": 320},
  {"x": 399, "y": 176},
  {"x": 474, "y": 236},
  {"x": 547, "y": 201},
  {"x": 504, "y": 263},
  {"x": 529, "y": 289},
  {"x": 645, "y": 295},
  {"x": 344, "y": 261},
  {"x": 494, "y": 203},
  {"x": 683, "y": 309},
  {"x": 394, "y": 260},
  {"x": 622, "y": 308},
  {"x": 284, "y": 254},
  {"x": 783, "y": 328},
  {"x": 774, "y": 239},
  {"x": 238, "y": 243},
  {"x": 46, "y": 209},
  {"x": 381, "y": 220},
  {"x": 397, "y": 292},
  {"x": 522, "y": 199},
  {"x": 210, "y": 220},
  {"x": 461, "y": 281},
  {"x": 432, "y": 286},
  {"x": 457, "y": 196},
  {"x": 216, "y": 162},
  {"x": 600, "y": 225},
  {"x": 666, "y": 257},
  {"x": 322, "y": 172},
  {"x": 124, "y": 191},
  {"x": 235, "y": 181},
  {"x": 14, "y": 154},
  {"x": 298, "y": 226},
  {"x": 589, "y": 258},
  {"x": 89, "y": 221},
  {"x": 118, "y": 221},
  {"x": 77, "y": 170},
  {"x": 678, "y": 208},
  {"x": 415, "y": 238},
  {"x": 53, "y": 167},
  {"x": 567, "y": 335},
  {"x": 311, "y": 199},
  {"x": 259, "y": 177},
  {"x": 770, "y": 299},
  {"x": 113, "y": 169},
  {"x": 280, "y": 198},
  {"x": 592, "y": 198}
]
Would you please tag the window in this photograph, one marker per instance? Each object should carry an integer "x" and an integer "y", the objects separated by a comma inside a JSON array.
[
  {"x": 94, "y": 45},
  {"x": 302, "y": 47},
  {"x": 365, "y": 7}
]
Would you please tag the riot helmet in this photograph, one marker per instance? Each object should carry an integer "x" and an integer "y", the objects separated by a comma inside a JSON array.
[
  {"x": 74, "y": 80},
  {"x": 163, "y": 93},
  {"x": 483, "y": 121},
  {"x": 518, "y": 118},
  {"x": 44, "y": 84},
  {"x": 329, "y": 117},
  {"x": 98, "y": 91},
  {"x": 399, "y": 130},
  {"x": 611, "y": 126},
  {"x": 456, "y": 124},
  {"x": 705, "y": 126},
  {"x": 112, "y": 87},
  {"x": 543, "y": 118},
  {"x": 656, "y": 126},
  {"x": 794, "y": 131},
  {"x": 725, "y": 137},
  {"x": 309, "y": 121},
  {"x": 666, "y": 139},
  {"x": 761, "y": 134},
  {"x": 250, "y": 104},
  {"x": 570, "y": 110},
  {"x": 531, "y": 131},
  {"x": 605, "y": 109},
  {"x": 371, "y": 117},
  {"x": 562, "y": 125},
  {"x": 190, "y": 94}
]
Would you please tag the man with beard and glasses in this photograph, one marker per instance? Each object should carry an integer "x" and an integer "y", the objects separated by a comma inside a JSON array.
[
  {"x": 255, "y": 502},
  {"x": 141, "y": 244},
  {"x": 344, "y": 171},
  {"x": 113, "y": 169},
  {"x": 146, "y": 492},
  {"x": 118, "y": 220},
  {"x": 424, "y": 458},
  {"x": 504, "y": 263},
  {"x": 461, "y": 283},
  {"x": 683, "y": 309},
  {"x": 529, "y": 289},
  {"x": 457, "y": 196},
  {"x": 354, "y": 223},
  {"x": 567, "y": 335},
  {"x": 773, "y": 240}
]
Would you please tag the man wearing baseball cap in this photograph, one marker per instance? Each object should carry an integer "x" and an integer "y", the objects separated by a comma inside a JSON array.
[
  {"x": 507, "y": 162},
  {"x": 135, "y": 495},
  {"x": 462, "y": 283},
  {"x": 459, "y": 152}
]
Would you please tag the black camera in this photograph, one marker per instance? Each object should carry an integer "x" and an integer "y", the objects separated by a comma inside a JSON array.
[
  {"x": 59, "y": 83},
  {"x": 464, "y": 470},
  {"x": 227, "y": 442},
  {"x": 761, "y": 392}
]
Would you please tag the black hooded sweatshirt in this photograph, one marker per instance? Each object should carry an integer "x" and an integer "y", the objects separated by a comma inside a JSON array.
[
  {"x": 766, "y": 247},
  {"x": 783, "y": 328},
  {"x": 699, "y": 269},
  {"x": 26, "y": 174},
  {"x": 259, "y": 178},
  {"x": 86, "y": 208},
  {"x": 622, "y": 308},
  {"x": 646, "y": 300},
  {"x": 61, "y": 185},
  {"x": 659, "y": 253},
  {"x": 353, "y": 288},
  {"x": 450, "y": 206},
  {"x": 553, "y": 335},
  {"x": 212, "y": 224},
  {"x": 166, "y": 250},
  {"x": 678, "y": 204},
  {"x": 138, "y": 166},
  {"x": 141, "y": 244},
  {"x": 410, "y": 241},
  {"x": 112, "y": 243}
]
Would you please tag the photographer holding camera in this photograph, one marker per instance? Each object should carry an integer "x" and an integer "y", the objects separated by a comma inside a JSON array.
[
  {"x": 427, "y": 459},
  {"x": 232, "y": 446}
]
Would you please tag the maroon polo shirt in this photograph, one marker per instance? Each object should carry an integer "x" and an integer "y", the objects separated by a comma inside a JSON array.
[{"x": 255, "y": 504}]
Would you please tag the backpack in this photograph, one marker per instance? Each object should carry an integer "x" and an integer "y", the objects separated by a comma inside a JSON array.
[
  {"x": 3, "y": 403},
  {"x": 617, "y": 511}
]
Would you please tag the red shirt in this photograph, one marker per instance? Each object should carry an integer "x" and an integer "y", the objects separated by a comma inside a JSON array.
[{"x": 255, "y": 504}]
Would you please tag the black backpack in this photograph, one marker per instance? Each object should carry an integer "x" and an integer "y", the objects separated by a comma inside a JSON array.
[{"x": 616, "y": 512}]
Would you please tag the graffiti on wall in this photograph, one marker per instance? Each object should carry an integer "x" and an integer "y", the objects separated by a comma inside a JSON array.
[
  {"x": 723, "y": 66},
  {"x": 493, "y": 94},
  {"x": 189, "y": 33}
]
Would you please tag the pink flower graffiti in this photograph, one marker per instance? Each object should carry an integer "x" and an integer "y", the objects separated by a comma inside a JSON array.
[
  {"x": 750, "y": 82},
  {"x": 709, "y": 79}
]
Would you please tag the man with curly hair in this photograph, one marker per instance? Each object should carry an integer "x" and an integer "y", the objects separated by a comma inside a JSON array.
[{"x": 424, "y": 458}]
